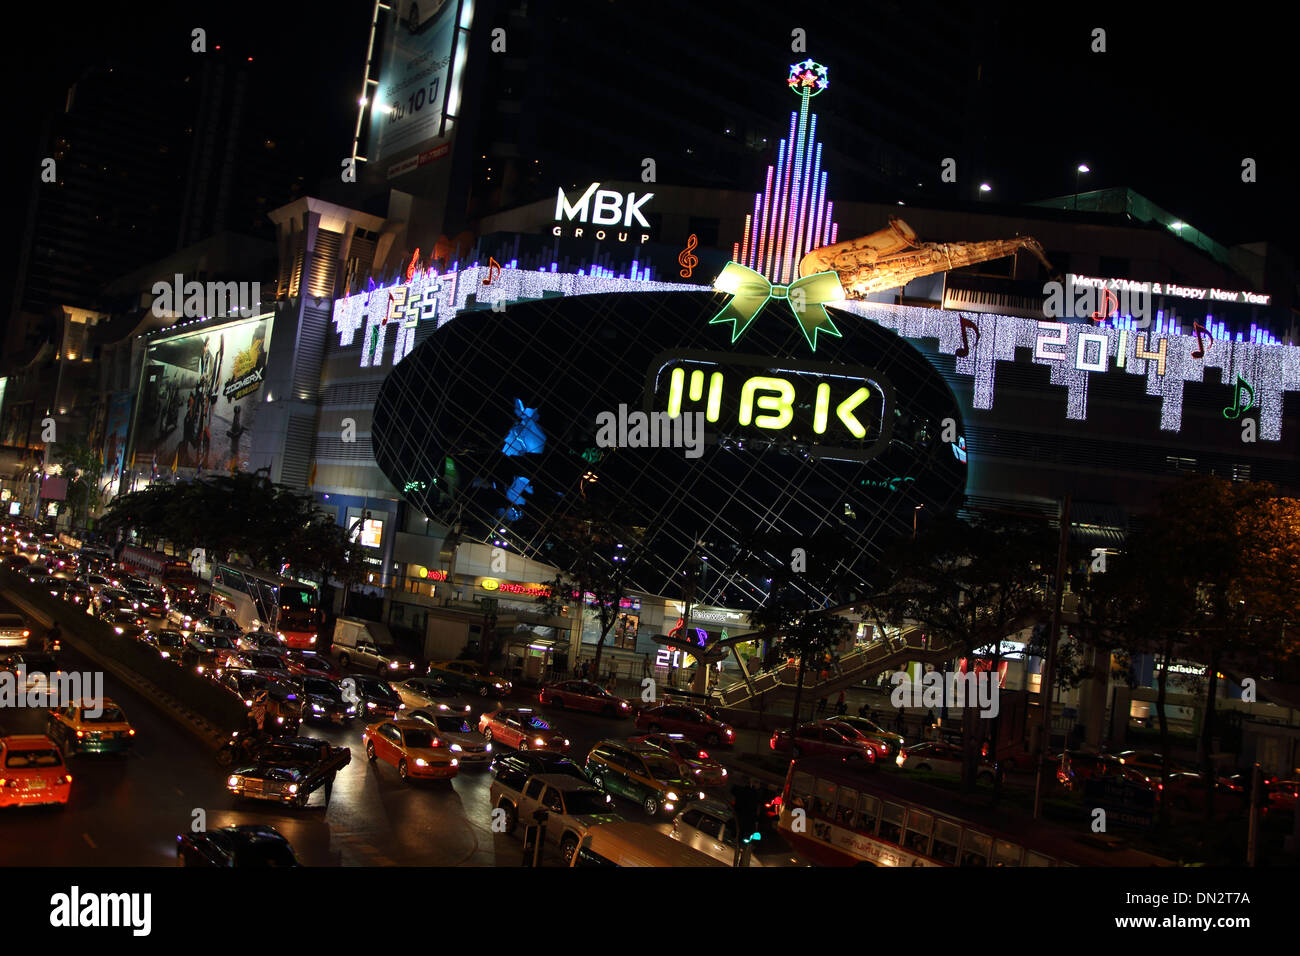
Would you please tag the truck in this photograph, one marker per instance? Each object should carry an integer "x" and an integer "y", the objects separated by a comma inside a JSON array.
[
  {"x": 572, "y": 807},
  {"x": 368, "y": 645}
]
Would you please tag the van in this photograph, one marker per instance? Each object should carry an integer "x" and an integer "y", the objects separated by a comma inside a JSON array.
[
  {"x": 635, "y": 844},
  {"x": 368, "y": 645}
]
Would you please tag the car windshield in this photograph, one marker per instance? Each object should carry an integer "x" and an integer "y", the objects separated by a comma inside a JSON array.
[
  {"x": 661, "y": 769},
  {"x": 586, "y": 801},
  {"x": 221, "y": 641},
  {"x": 317, "y": 685},
  {"x": 453, "y": 725},
  {"x": 418, "y": 739},
  {"x": 110, "y": 715},
  {"x": 33, "y": 758},
  {"x": 375, "y": 688}
]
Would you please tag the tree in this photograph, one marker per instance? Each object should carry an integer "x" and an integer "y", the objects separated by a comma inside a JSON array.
[
  {"x": 798, "y": 625},
  {"x": 969, "y": 583},
  {"x": 597, "y": 554},
  {"x": 81, "y": 467}
]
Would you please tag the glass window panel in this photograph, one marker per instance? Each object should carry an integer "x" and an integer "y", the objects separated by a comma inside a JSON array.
[
  {"x": 947, "y": 837},
  {"x": 975, "y": 848},
  {"x": 868, "y": 812},
  {"x": 823, "y": 798},
  {"x": 1037, "y": 859},
  {"x": 919, "y": 826},
  {"x": 1007, "y": 854},
  {"x": 891, "y": 823}
]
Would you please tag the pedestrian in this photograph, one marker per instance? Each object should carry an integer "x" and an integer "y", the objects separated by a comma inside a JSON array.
[
  {"x": 863, "y": 711},
  {"x": 841, "y": 705},
  {"x": 52, "y": 637},
  {"x": 821, "y": 706},
  {"x": 645, "y": 665}
]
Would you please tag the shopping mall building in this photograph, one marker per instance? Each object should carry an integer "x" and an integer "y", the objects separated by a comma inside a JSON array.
[{"x": 454, "y": 402}]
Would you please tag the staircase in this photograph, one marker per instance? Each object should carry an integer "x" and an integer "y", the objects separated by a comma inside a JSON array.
[
  {"x": 861, "y": 664},
  {"x": 864, "y": 663}
]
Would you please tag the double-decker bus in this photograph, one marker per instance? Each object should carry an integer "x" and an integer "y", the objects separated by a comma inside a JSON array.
[
  {"x": 157, "y": 568},
  {"x": 261, "y": 600},
  {"x": 858, "y": 814}
]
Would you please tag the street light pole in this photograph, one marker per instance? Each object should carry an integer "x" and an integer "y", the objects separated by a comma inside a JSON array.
[{"x": 1082, "y": 168}]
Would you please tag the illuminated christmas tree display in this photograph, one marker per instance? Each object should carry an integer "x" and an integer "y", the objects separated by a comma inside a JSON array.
[{"x": 791, "y": 215}]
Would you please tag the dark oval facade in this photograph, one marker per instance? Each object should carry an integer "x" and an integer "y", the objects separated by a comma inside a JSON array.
[{"x": 493, "y": 423}]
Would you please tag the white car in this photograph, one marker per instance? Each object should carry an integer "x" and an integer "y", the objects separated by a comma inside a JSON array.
[
  {"x": 427, "y": 692},
  {"x": 712, "y": 828}
]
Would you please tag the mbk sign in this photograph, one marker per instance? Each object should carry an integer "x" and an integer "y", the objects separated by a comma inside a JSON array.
[{"x": 609, "y": 209}]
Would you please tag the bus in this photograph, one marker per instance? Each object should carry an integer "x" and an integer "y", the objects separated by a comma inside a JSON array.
[
  {"x": 157, "y": 568},
  {"x": 860, "y": 815},
  {"x": 624, "y": 843},
  {"x": 260, "y": 600}
]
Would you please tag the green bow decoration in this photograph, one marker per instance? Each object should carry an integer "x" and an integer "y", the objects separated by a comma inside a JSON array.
[{"x": 751, "y": 290}]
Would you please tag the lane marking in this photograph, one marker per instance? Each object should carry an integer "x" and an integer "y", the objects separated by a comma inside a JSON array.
[{"x": 86, "y": 837}]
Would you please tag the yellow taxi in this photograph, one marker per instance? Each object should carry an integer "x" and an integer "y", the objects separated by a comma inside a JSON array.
[
  {"x": 32, "y": 772},
  {"x": 84, "y": 728},
  {"x": 413, "y": 747}
]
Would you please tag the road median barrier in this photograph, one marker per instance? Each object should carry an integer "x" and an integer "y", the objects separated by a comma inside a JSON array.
[{"x": 195, "y": 703}]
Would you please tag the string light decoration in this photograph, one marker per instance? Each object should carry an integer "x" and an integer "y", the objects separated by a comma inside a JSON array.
[
  {"x": 1074, "y": 352},
  {"x": 793, "y": 218},
  {"x": 430, "y": 300}
]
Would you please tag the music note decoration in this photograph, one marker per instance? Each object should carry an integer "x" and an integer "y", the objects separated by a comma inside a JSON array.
[
  {"x": 964, "y": 349},
  {"x": 1109, "y": 306},
  {"x": 1199, "y": 351},
  {"x": 1235, "y": 410},
  {"x": 688, "y": 261},
  {"x": 492, "y": 264}
]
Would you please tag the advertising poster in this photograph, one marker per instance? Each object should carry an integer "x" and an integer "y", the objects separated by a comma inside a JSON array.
[
  {"x": 199, "y": 397},
  {"x": 116, "y": 426},
  {"x": 414, "y": 73}
]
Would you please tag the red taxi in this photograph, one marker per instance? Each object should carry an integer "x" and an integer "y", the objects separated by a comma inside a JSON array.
[
  {"x": 32, "y": 771},
  {"x": 584, "y": 695},
  {"x": 522, "y": 729},
  {"x": 690, "y": 722}
]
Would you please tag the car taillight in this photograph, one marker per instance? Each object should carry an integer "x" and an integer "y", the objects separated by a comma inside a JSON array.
[
  {"x": 81, "y": 733},
  {"x": 703, "y": 755},
  {"x": 67, "y": 777}
]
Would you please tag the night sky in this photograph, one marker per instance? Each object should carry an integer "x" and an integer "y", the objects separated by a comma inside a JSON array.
[{"x": 1170, "y": 110}]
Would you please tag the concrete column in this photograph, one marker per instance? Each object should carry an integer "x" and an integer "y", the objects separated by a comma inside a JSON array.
[{"x": 1092, "y": 697}]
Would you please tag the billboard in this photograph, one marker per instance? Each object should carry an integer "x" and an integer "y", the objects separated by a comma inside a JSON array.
[
  {"x": 115, "y": 432},
  {"x": 199, "y": 396},
  {"x": 416, "y": 68}
]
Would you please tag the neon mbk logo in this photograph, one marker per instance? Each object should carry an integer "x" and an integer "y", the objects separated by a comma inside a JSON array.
[{"x": 825, "y": 411}]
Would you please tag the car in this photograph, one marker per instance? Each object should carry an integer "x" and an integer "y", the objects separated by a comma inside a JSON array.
[
  {"x": 452, "y": 725},
  {"x": 471, "y": 678},
  {"x": 1187, "y": 793},
  {"x": 208, "y": 650},
  {"x": 17, "y": 563},
  {"x": 1281, "y": 796},
  {"x": 942, "y": 757},
  {"x": 571, "y": 807},
  {"x": 186, "y": 612},
  {"x": 81, "y": 729},
  {"x": 225, "y": 626},
  {"x": 823, "y": 737},
  {"x": 413, "y": 748},
  {"x": 288, "y": 770},
  {"x": 125, "y": 622},
  {"x": 1148, "y": 761},
  {"x": 323, "y": 701},
  {"x": 584, "y": 695},
  {"x": 711, "y": 827},
  {"x": 375, "y": 697},
  {"x": 14, "y": 631},
  {"x": 251, "y": 845},
  {"x": 32, "y": 772},
  {"x": 108, "y": 600},
  {"x": 690, "y": 722},
  {"x": 888, "y": 742},
  {"x": 36, "y": 574},
  {"x": 77, "y": 593},
  {"x": 517, "y": 766},
  {"x": 311, "y": 664},
  {"x": 368, "y": 645},
  {"x": 706, "y": 771},
  {"x": 168, "y": 643},
  {"x": 32, "y": 668},
  {"x": 261, "y": 641},
  {"x": 150, "y": 600},
  {"x": 427, "y": 692},
  {"x": 262, "y": 661},
  {"x": 1073, "y": 768},
  {"x": 653, "y": 780},
  {"x": 522, "y": 729}
]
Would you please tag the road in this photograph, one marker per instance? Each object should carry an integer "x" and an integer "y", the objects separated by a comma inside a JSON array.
[{"x": 126, "y": 810}]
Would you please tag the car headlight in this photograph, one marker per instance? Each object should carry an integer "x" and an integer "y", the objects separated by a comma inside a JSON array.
[
  {"x": 539, "y": 742},
  {"x": 488, "y": 748},
  {"x": 724, "y": 771},
  {"x": 455, "y": 762},
  {"x": 293, "y": 788},
  {"x": 393, "y": 665},
  {"x": 233, "y": 781},
  {"x": 566, "y": 741},
  {"x": 457, "y": 748},
  {"x": 671, "y": 796},
  {"x": 118, "y": 630},
  {"x": 421, "y": 762},
  {"x": 370, "y": 705},
  {"x": 317, "y": 709},
  {"x": 497, "y": 686}
]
